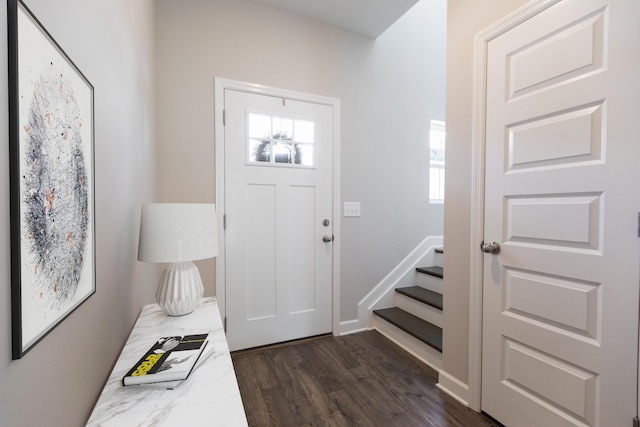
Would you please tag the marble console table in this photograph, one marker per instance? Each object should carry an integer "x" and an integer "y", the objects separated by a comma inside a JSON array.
[{"x": 209, "y": 397}]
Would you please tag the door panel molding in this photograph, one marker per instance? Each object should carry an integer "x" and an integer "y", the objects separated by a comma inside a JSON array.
[
  {"x": 587, "y": 233},
  {"x": 220, "y": 85}
]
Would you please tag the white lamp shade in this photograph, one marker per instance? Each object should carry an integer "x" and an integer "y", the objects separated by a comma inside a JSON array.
[{"x": 177, "y": 232}]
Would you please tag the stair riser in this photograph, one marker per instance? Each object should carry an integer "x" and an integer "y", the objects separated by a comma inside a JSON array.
[
  {"x": 423, "y": 352},
  {"x": 429, "y": 282},
  {"x": 438, "y": 259},
  {"x": 419, "y": 309}
]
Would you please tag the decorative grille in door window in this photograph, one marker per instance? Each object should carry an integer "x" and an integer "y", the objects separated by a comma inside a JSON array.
[{"x": 280, "y": 141}]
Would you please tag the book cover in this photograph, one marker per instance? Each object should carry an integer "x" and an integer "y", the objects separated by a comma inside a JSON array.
[
  {"x": 172, "y": 385},
  {"x": 169, "y": 359}
]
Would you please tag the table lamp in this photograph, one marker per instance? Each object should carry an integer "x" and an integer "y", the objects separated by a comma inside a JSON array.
[{"x": 177, "y": 234}]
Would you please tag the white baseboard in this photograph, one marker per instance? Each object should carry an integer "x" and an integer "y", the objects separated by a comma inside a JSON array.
[
  {"x": 350, "y": 327},
  {"x": 453, "y": 387}
]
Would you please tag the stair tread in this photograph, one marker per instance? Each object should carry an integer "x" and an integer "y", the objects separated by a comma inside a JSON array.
[
  {"x": 432, "y": 270},
  {"x": 421, "y": 329},
  {"x": 423, "y": 295}
]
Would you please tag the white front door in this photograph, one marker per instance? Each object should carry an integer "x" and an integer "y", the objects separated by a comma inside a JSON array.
[
  {"x": 278, "y": 199},
  {"x": 560, "y": 301}
]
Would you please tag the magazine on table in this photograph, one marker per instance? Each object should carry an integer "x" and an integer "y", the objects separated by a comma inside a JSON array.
[
  {"x": 172, "y": 385},
  {"x": 169, "y": 359}
]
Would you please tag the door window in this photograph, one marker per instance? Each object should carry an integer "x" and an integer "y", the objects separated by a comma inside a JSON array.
[{"x": 280, "y": 141}]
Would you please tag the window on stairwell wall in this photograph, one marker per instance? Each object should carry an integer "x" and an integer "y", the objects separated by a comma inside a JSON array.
[{"x": 436, "y": 161}]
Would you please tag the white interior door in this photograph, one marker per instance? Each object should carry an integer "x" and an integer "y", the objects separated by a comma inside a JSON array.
[
  {"x": 278, "y": 198},
  {"x": 560, "y": 301}
]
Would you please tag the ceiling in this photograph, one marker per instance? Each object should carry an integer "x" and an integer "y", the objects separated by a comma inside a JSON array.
[{"x": 367, "y": 17}]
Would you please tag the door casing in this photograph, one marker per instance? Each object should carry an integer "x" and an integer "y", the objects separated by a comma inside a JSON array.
[{"x": 220, "y": 86}]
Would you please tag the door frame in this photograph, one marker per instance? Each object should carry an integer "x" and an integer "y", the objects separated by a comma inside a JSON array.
[
  {"x": 220, "y": 85},
  {"x": 478, "y": 146}
]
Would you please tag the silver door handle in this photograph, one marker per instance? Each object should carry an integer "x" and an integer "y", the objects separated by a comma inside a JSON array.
[
  {"x": 327, "y": 239},
  {"x": 490, "y": 248}
]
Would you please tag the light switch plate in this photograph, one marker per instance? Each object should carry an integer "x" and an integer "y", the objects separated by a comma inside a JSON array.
[{"x": 351, "y": 208}]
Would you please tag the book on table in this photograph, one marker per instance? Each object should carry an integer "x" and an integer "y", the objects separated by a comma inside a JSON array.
[
  {"x": 172, "y": 385},
  {"x": 169, "y": 359}
]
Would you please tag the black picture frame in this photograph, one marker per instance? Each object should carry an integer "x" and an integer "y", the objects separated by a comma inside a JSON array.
[{"x": 52, "y": 190}]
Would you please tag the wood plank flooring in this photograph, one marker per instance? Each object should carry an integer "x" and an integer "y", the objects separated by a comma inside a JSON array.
[{"x": 356, "y": 380}]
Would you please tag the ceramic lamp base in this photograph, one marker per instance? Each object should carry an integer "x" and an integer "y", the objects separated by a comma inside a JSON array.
[{"x": 180, "y": 289}]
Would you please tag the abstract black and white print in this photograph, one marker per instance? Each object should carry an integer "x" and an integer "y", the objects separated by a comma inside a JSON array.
[
  {"x": 54, "y": 136},
  {"x": 56, "y": 205}
]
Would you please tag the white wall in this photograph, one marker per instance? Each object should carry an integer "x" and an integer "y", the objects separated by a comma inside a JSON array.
[
  {"x": 465, "y": 19},
  {"x": 389, "y": 90},
  {"x": 59, "y": 380}
]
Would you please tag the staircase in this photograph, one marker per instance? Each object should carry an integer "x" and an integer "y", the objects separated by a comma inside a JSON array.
[{"x": 415, "y": 321}]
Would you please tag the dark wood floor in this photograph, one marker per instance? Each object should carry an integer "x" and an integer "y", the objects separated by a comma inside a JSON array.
[{"x": 356, "y": 380}]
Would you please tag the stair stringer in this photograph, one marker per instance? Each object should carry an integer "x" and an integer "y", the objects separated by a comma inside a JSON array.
[{"x": 404, "y": 274}]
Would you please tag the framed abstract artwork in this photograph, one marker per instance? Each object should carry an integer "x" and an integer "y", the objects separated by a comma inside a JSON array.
[{"x": 51, "y": 152}]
